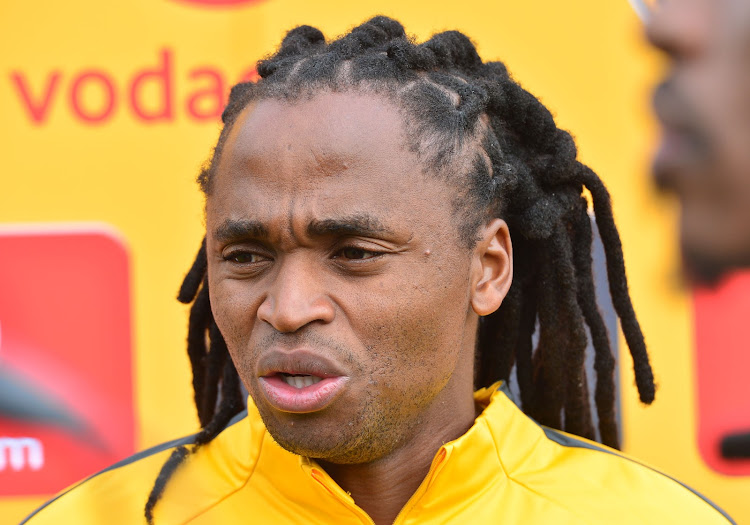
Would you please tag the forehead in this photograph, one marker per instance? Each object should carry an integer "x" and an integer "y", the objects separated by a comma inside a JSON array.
[
  {"x": 334, "y": 152},
  {"x": 329, "y": 131}
]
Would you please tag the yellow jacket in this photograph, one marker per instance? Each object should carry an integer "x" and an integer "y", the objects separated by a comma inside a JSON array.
[{"x": 505, "y": 469}]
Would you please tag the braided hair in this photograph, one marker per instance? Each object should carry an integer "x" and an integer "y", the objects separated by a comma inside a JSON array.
[{"x": 472, "y": 125}]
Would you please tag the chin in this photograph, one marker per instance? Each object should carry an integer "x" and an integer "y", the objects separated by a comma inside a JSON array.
[
  {"x": 711, "y": 245},
  {"x": 332, "y": 449},
  {"x": 701, "y": 270},
  {"x": 337, "y": 443},
  {"x": 304, "y": 436},
  {"x": 703, "y": 267}
]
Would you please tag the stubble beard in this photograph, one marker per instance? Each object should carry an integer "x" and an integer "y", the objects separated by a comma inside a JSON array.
[{"x": 371, "y": 434}]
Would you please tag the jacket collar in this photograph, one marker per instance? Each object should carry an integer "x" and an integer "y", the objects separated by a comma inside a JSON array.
[
  {"x": 474, "y": 458},
  {"x": 245, "y": 461}
]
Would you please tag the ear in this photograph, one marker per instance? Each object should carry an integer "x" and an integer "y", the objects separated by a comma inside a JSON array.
[{"x": 492, "y": 267}]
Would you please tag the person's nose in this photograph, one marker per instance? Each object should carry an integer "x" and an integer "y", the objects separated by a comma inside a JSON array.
[
  {"x": 680, "y": 27},
  {"x": 296, "y": 298}
]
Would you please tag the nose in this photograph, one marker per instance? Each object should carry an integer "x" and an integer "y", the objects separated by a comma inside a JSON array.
[
  {"x": 296, "y": 298},
  {"x": 680, "y": 27}
]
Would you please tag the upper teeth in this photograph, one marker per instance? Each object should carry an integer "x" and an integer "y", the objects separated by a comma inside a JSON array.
[{"x": 299, "y": 381}]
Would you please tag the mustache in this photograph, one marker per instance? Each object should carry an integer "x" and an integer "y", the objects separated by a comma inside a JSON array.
[
  {"x": 680, "y": 122},
  {"x": 673, "y": 108},
  {"x": 305, "y": 338}
]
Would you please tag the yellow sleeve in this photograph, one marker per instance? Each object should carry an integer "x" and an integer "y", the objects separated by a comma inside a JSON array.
[{"x": 115, "y": 495}]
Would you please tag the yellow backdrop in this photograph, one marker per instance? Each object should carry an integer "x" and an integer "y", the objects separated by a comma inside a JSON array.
[{"x": 108, "y": 111}]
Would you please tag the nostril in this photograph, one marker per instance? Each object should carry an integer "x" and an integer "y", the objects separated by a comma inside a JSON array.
[{"x": 292, "y": 311}]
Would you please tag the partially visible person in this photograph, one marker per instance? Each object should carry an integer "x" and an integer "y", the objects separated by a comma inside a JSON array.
[{"x": 704, "y": 108}]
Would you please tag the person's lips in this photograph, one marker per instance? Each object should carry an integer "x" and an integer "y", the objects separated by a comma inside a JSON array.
[
  {"x": 669, "y": 106},
  {"x": 682, "y": 146},
  {"x": 300, "y": 381},
  {"x": 676, "y": 148}
]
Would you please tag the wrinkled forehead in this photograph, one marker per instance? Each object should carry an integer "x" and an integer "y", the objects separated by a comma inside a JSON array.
[
  {"x": 295, "y": 145},
  {"x": 369, "y": 144},
  {"x": 289, "y": 166},
  {"x": 331, "y": 131}
]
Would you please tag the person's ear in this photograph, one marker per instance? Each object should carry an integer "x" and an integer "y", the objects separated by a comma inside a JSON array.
[{"x": 492, "y": 267}]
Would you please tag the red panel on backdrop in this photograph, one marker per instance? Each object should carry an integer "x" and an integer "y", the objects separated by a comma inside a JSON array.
[
  {"x": 722, "y": 339},
  {"x": 66, "y": 402}
]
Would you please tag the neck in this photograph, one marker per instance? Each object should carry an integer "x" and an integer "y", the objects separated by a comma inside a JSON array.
[{"x": 382, "y": 487}]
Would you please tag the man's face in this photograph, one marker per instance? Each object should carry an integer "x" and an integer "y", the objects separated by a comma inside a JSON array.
[
  {"x": 704, "y": 107},
  {"x": 337, "y": 277}
]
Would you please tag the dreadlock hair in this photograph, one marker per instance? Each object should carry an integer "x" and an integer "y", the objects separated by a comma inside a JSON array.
[{"x": 472, "y": 125}]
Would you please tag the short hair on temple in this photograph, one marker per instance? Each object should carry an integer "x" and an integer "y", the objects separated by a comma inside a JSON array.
[{"x": 473, "y": 126}]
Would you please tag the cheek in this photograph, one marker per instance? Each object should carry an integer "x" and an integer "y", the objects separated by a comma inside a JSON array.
[
  {"x": 721, "y": 96},
  {"x": 232, "y": 308},
  {"x": 415, "y": 331},
  {"x": 734, "y": 132},
  {"x": 723, "y": 189},
  {"x": 234, "y": 317},
  {"x": 412, "y": 362}
]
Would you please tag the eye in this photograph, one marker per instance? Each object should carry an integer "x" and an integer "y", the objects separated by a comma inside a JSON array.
[
  {"x": 355, "y": 253},
  {"x": 244, "y": 257}
]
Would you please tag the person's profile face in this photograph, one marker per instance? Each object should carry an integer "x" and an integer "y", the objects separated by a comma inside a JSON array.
[
  {"x": 337, "y": 277},
  {"x": 704, "y": 108}
]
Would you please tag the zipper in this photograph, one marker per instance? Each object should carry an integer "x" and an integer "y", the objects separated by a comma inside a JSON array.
[
  {"x": 435, "y": 468},
  {"x": 338, "y": 493},
  {"x": 319, "y": 476}
]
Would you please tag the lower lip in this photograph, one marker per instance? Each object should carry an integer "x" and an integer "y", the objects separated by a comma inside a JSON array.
[
  {"x": 287, "y": 398},
  {"x": 673, "y": 150}
]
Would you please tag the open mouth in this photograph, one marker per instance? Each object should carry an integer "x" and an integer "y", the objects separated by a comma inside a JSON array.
[
  {"x": 301, "y": 393},
  {"x": 299, "y": 380}
]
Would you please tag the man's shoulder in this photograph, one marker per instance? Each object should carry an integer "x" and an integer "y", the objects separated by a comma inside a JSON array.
[
  {"x": 605, "y": 480},
  {"x": 116, "y": 494},
  {"x": 560, "y": 474}
]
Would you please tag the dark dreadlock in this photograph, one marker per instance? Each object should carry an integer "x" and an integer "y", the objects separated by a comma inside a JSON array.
[{"x": 473, "y": 125}]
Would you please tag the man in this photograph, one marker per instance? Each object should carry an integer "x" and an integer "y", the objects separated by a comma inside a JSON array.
[
  {"x": 704, "y": 158},
  {"x": 358, "y": 276},
  {"x": 704, "y": 108}
]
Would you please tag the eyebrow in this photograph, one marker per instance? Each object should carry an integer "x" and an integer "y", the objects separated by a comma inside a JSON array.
[
  {"x": 358, "y": 224},
  {"x": 233, "y": 229}
]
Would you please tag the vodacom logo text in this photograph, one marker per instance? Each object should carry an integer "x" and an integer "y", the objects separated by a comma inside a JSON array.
[{"x": 151, "y": 93}]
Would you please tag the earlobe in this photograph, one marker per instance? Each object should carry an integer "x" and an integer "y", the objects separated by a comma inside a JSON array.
[{"x": 492, "y": 268}]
